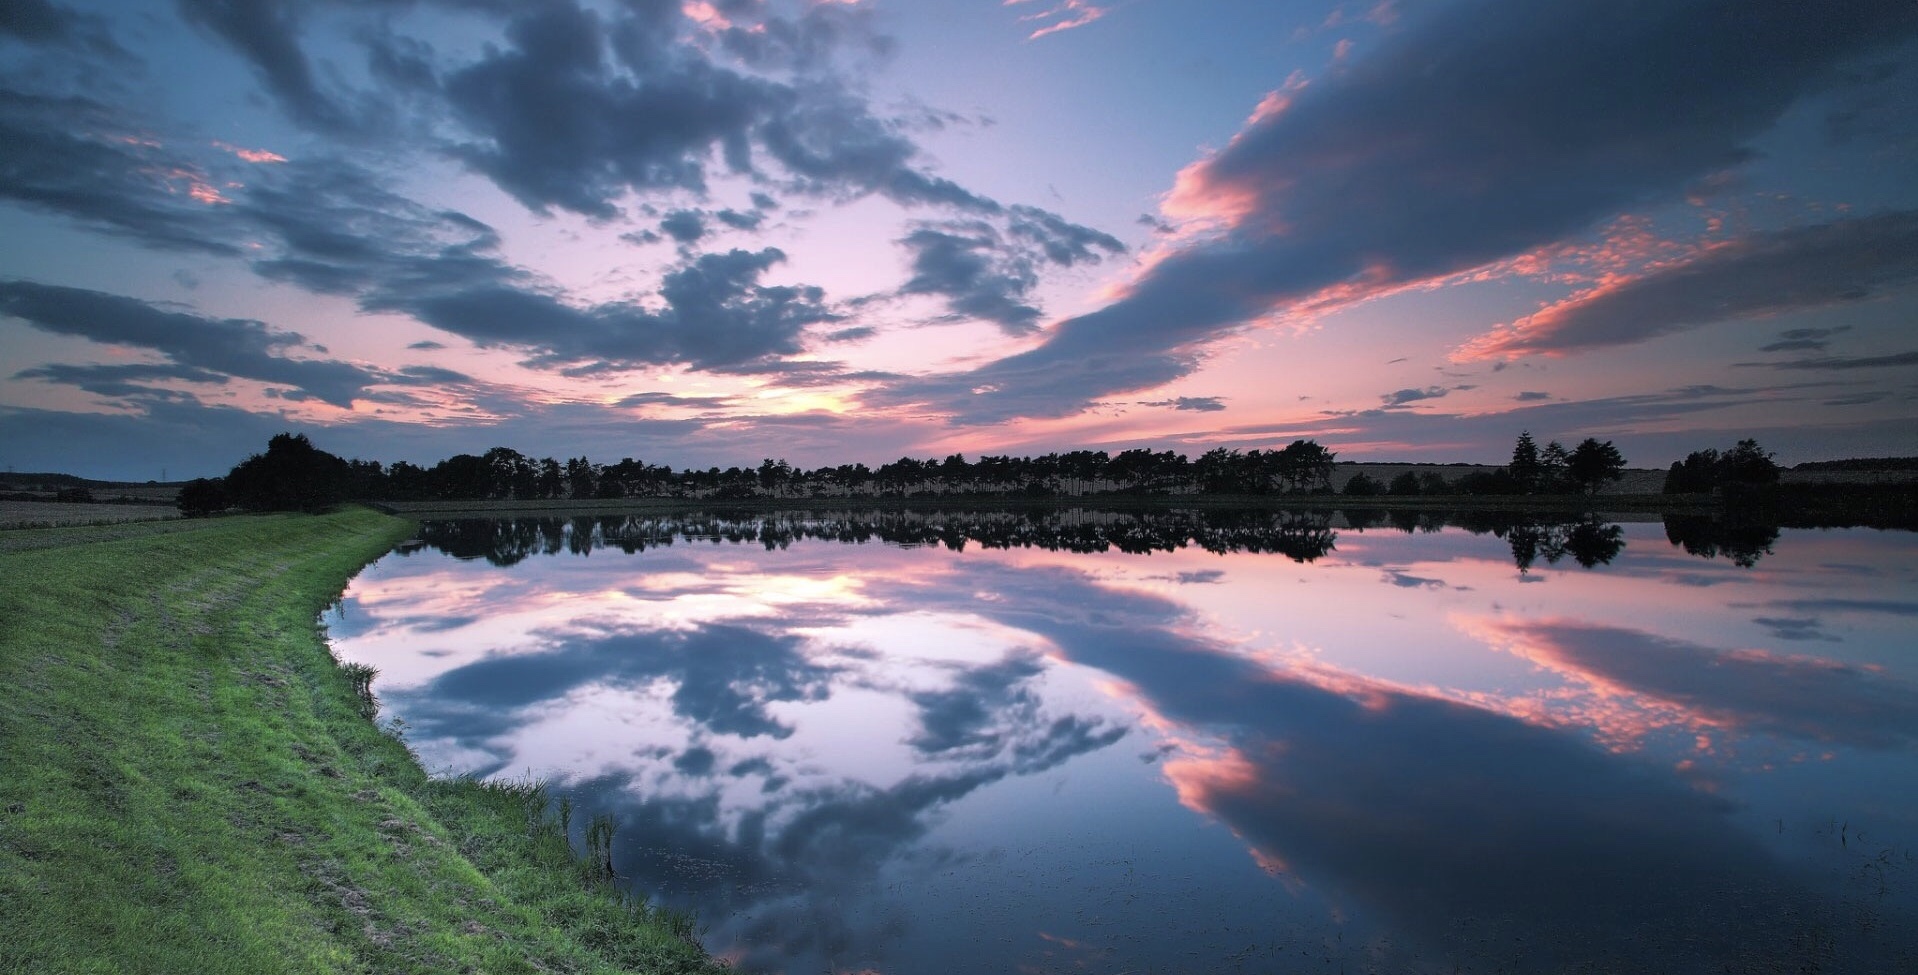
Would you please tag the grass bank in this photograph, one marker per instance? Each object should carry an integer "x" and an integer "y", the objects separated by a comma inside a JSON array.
[{"x": 188, "y": 782}]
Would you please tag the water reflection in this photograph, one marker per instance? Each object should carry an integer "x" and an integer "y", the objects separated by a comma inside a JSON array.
[{"x": 1198, "y": 742}]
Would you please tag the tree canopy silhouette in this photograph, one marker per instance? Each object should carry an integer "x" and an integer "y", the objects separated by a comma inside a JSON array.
[{"x": 293, "y": 475}]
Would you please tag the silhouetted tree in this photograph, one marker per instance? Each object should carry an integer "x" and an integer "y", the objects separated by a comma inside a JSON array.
[
  {"x": 1304, "y": 465},
  {"x": 1404, "y": 485},
  {"x": 1593, "y": 463},
  {"x": 1554, "y": 469},
  {"x": 1495, "y": 481},
  {"x": 293, "y": 475},
  {"x": 582, "y": 478},
  {"x": 1744, "y": 466},
  {"x": 201, "y": 497},
  {"x": 1525, "y": 467},
  {"x": 1363, "y": 486}
]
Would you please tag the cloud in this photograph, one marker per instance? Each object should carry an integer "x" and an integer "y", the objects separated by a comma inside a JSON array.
[
  {"x": 1196, "y": 404},
  {"x": 1479, "y": 132},
  {"x": 685, "y": 226},
  {"x": 35, "y": 20},
  {"x": 1757, "y": 275},
  {"x": 578, "y": 109},
  {"x": 233, "y": 347},
  {"x": 724, "y": 679},
  {"x": 266, "y": 32},
  {"x": 985, "y": 272},
  {"x": 1404, "y": 396},
  {"x": 966, "y": 270},
  {"x": 1842, "y": 363},
  {"x": 120, "y": 380},
  {"x": 76, "y": 156},
  {"x": 1532, "y": 396},
  {"x": 1343, "y": 782},
  {"x": 1751, "y": 690},
  {"x": 810, "y": 43},
  {"x": 332, "y": 228},
  {"x": 980, "y": 712},
  {"x": 1064, "y": 15}
]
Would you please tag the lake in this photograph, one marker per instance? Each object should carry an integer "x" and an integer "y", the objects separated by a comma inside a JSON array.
[{"x": 1082, "y": 741}]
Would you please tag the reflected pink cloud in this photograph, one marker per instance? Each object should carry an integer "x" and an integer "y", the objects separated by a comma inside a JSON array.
[{"x": 1634, "y": 683}]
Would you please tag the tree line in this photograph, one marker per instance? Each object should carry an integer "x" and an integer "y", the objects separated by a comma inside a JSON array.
[{"x": 294, "y": 474}]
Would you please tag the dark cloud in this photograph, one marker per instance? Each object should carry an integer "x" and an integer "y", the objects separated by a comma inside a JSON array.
[
  {"x": 811, "y": 43},
  {"x": 266, "y": 32},
  {"x": 1061, "y": 241},
  {"x": 968, "y": 270},
  {"x": 578, "y": 109},
  {"x": 1480, "y": 131},
  {"x": 1195, "y": 404},
  {"x": 427, "y": 345},
  {"x": 119, "y": 380},
  {"x": 987, "y": 266},
  {"x": 1795, "y": 345},
  {"x": 724, "y": 678},
  {"x": 670, "y": 399},
  {"x": 233, "y": 347},
  {"x": 740, "y": 220},
  {"x": 1888, "y": 607},
  {"x": 78, "y": 157},
  {"x": 1795, "y": 628},
  {"x": 559, "y": 125},
  {"x": 1842, "y": 363},
  {"x": 1532, "y": 396},
  {"x": 35, "y": 20},
  {"x": 1759, "y": 275},
  {"x": 684, "y": 226},
  {"x": 980, "y": 711},
  {"x": 1404, "y": 396}
]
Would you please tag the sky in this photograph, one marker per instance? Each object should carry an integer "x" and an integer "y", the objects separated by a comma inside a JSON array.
[{"x": 707, "y": 232}]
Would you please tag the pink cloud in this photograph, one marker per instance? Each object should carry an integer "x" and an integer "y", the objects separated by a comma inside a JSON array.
[
  {"x": 1066, "y": 15},
  {"x": 251, "y": 155}
]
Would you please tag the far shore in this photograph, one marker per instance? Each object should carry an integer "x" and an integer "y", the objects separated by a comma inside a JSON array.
[{"x": 1608, "y": 504}]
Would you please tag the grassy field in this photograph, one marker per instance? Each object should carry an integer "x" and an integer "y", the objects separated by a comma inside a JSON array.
[
  {"x": 46, "y": 514},
  {"x": 191, "y": 784}
]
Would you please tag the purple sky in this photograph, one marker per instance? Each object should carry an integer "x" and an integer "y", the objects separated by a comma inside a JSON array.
[{"x": 710, "y": 232}]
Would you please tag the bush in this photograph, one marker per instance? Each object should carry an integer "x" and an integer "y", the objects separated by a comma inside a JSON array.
[
  {"x": 201, "y": 497},
  {"x": 1363, "y": 486}
]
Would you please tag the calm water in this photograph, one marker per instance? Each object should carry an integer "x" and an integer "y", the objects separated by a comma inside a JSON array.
[{"x": 1099, "y": 743}]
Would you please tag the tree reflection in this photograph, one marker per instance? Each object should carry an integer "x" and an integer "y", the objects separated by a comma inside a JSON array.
[
  {"x": 1742, "y": 540},
  {"x": 1303, "y": 536},
  {"x": 1300, "y": 536},
  {"x": 1589, "y": 540}
]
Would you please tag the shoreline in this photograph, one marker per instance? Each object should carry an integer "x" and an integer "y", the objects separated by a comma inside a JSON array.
[
  {"x": 561, "y": 507},
  {"x": 193, "y": 783}
]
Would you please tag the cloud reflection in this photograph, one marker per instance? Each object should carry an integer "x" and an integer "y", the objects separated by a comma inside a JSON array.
[{"x": 1750, "y": 690}]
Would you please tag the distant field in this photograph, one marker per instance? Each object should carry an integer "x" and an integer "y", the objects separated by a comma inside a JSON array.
[{"x": 20, "y": 514}]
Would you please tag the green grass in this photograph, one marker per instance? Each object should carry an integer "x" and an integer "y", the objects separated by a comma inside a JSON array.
[{"x": 188, "y": 782}]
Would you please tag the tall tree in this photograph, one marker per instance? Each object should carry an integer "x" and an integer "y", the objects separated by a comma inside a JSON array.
[
  {"x": 1525, "y": 467},
  {"x": 293, "y": 475},
  {"x": 1593, "y": 464}
]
